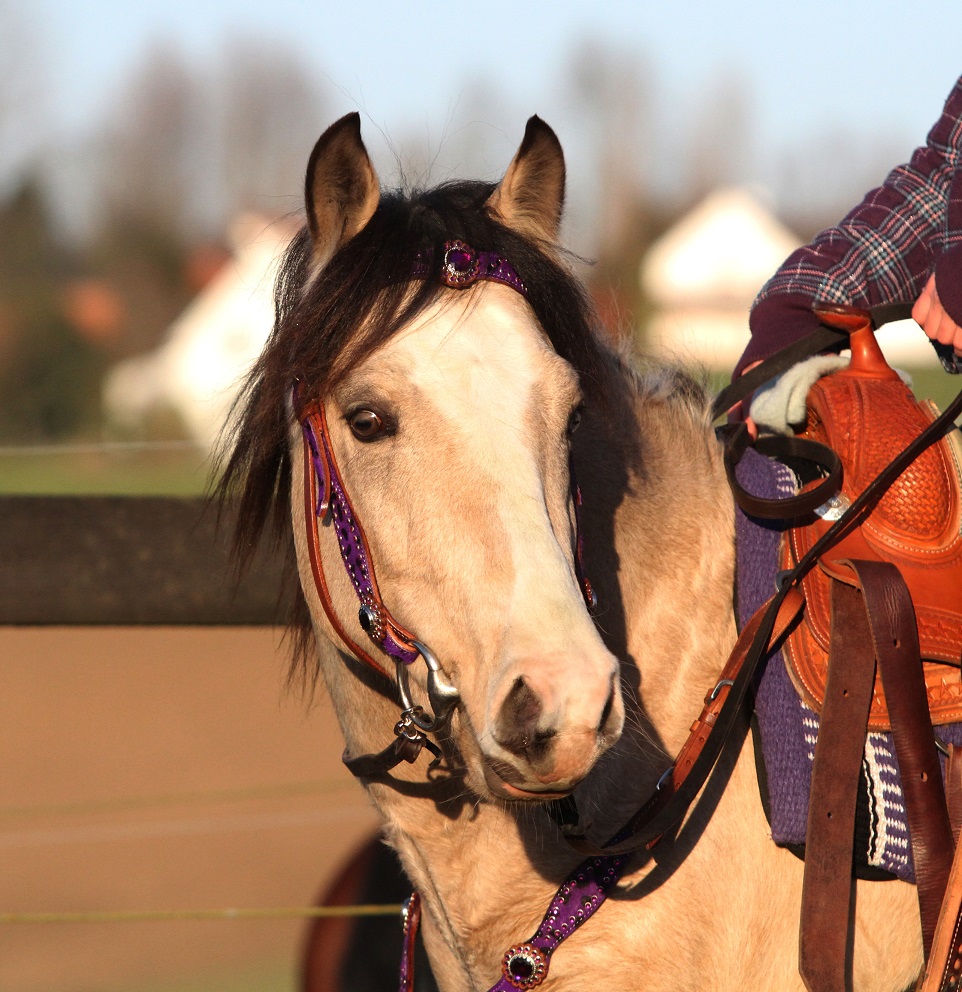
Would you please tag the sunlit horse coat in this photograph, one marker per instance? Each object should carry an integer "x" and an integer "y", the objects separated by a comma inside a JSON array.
[{"x": 451, "y": 416}]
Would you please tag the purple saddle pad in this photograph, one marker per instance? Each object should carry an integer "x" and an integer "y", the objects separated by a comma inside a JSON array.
[{"x": 786, "y": 728}]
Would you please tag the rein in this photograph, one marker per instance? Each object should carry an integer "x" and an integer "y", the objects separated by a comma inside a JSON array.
[{"x": 682, "y": 781}]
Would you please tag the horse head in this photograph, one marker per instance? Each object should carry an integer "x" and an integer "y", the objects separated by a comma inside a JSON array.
[{"x": 446, "y": 416}]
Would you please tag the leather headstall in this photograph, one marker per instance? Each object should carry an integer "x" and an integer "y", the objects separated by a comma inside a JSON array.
[
  {"x": 327, "y": 504},
  {"x": 326, "y": 499}
]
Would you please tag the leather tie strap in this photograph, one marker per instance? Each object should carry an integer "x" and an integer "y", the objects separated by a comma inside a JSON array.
[
  {"x": 895, "y": 638},
  {"x": 871, "y": 620},
  {"x": 953, "y": 789},
  {"x": 943, "y": 971},
  {"x": 827, "y": 886}
]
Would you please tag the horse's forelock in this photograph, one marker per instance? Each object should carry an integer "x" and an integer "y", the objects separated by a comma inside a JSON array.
[{"x": 326, "y": 323}]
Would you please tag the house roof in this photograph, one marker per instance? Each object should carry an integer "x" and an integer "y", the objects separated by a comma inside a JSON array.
[
  {"x": 212, "y": 344},
  {"x": 721, "y": 251}
]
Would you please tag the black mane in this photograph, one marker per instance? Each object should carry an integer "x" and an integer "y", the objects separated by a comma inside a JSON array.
[{"x": 325, "y": 327}]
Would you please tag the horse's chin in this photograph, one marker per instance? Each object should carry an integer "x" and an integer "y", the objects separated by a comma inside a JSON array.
[{"x": 518, "y": 789}]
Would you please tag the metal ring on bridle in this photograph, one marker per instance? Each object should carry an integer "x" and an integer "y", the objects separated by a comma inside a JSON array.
[{"x": 443, "y": 696}]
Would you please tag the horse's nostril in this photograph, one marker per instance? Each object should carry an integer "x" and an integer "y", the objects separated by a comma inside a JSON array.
[
  {"x": 518, "y": 720},
  {"x": 521, "y": 706},
  {"x": 606, "y": 712}
]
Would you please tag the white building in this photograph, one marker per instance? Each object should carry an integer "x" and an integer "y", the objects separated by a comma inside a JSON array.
[
  {"x": 208, "y": 349},
  {"x": 703, "y": 274}
]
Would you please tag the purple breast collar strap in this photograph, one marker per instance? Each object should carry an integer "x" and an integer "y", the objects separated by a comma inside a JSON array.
[{"x": 525, "y": 965}]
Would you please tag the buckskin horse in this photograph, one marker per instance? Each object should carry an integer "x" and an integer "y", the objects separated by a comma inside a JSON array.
[{"x": 511, "y": 536}]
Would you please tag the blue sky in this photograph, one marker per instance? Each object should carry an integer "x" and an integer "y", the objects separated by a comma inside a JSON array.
[
  {"x": 835, "y": 60},
  {"x": 876, "y": 70}
]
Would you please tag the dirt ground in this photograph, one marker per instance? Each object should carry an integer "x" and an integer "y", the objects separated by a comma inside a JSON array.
[{"x": 162, "y": 769}]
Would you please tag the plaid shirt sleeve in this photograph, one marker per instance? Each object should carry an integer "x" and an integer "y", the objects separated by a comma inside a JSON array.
[{"x": 883, "y": 251}]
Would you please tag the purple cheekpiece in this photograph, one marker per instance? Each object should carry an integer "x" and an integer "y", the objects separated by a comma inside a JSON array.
[{"x": 352, "y": 548}]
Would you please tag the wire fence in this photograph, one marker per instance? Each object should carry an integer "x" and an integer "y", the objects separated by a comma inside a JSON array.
[
  {"x": 168, "y": 915},
  {"x": 180, "y": 799},
  {"x": 208, "y": 797},
  {"x": 29, "y": 823}
]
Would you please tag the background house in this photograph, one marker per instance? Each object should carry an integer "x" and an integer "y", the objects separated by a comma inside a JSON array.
[
  {"x": 198, "y": 368},
  {"x": 702, "y": 275}
]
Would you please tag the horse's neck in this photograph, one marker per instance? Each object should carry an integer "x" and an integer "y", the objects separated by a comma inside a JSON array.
[
  {"x": 658, "y": 536},
  {"x": 661, "y": 547},
  {"x": 471, "y": 861}
]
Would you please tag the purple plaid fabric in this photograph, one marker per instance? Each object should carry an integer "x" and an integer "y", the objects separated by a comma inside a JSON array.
[{"x": 882, "y": 252}]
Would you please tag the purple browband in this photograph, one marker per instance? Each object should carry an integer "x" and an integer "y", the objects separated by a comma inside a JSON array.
[{"x": 463, "y": 266}]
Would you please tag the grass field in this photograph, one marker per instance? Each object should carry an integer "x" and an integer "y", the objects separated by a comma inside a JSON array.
[{"x": 82, "y": 469}]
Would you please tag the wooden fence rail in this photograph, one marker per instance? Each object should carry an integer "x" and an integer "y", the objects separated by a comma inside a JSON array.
[{"x": 124, "y": 560}]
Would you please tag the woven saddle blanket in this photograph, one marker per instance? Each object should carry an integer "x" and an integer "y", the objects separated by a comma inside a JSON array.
[{"x": 786, "y": 729}]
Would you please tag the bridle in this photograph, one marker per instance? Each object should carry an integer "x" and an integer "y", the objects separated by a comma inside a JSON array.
[{"x": 326, "y": 499}]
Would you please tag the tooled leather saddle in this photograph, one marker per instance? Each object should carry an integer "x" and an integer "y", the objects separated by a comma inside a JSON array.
[
  {"x": 867, "y": 415},
  {"x": 879, "y": 642}
]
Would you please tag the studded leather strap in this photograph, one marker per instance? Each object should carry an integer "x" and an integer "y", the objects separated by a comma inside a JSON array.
[
  {"x": 380, "y": 626},
  {"x": 410, "y": 922},
  {"x": 462, "y": 266}
]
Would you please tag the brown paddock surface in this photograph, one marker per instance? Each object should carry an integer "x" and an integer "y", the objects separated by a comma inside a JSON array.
[{"x": 162, "y": 768}]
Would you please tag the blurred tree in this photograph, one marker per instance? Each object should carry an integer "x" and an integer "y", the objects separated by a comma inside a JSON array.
[
  {"x": 49, "y": 375},
  {"x": 150, "y": 153},
  {"x": 23, "y": 94},
  {"x": 184, "y": 150},
  {"x": 614, "y": 95},
  {"x": 267, "y": 110},
  {"x": 719, "y": 140}
]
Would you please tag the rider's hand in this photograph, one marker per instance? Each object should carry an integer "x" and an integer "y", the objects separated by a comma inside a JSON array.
[{"x": 929, "y": 314}]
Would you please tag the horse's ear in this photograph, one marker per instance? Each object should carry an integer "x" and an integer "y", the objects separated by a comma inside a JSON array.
[
  {"x": 531, "y": 195},
  {"x": 341, "y": 191}
]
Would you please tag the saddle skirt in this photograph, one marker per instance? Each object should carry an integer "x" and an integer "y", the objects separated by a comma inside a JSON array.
[{"x": 867, "y": 414}]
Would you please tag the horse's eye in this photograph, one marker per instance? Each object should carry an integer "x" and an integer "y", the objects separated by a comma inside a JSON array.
[
  {"x": 366, "y": 425},
  {"x": 574, "y": 420}
]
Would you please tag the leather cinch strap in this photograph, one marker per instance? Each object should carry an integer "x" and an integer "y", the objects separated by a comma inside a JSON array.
[{"x": 872, "y": 619}]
